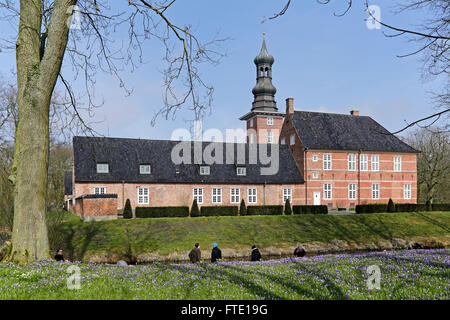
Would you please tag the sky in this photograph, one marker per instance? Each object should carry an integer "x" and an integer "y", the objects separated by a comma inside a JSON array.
[{"x": 326, "y": 63}]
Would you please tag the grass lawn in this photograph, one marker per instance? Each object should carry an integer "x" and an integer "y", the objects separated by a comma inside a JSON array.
[
  {"x": 413, "y": 274},
  {"x": 165, "y": 236}
]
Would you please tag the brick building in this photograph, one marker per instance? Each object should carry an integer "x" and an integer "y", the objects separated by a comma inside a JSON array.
[{"x": 339, "y": 160}]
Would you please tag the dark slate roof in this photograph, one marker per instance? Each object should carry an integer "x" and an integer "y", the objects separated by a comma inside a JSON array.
[
  {"x": 67, "y": 182},
  {"x": 125, "y": 155},
  {"x": 331, "y": 131},
  {"x": 98, "y": 196}
]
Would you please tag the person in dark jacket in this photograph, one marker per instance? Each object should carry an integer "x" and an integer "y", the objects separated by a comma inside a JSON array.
[
  {"x": 195, "y": 255},
  {"x": 216, "y": 253},
  {"x": 256, "y": 255},
  {"x": 59, "y": 255},
  {"x": 299, "y": 251}
]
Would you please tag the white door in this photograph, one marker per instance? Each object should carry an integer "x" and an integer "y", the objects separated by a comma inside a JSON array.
[{"x": 317, "y": 198}]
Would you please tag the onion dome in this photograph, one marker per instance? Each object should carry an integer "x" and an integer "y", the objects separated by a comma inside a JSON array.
[{"x": 264, "y": 56}]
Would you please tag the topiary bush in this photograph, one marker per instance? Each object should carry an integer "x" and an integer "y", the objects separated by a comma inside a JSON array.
[
  {"x": 390, "y": 206},
  {"x": 127, "y": 211},
  {"x": 195, "y": 212},
  {"x": 264, "y": 210},
  {"x": 159, "y": 212},
  {"x": 287, "y": 207},
  {"x": 243, "y": 208}
]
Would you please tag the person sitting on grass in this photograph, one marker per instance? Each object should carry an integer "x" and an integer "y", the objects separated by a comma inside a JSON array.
[
  {"x": 299, "y": 251},
  {"x": 59, "y": 255},
  {"x": 195, "y": 255},
  {"x": 256, "y": 255},
  {"x": 216, "y": 253}
]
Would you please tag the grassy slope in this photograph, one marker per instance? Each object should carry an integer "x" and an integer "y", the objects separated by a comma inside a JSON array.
[{"x": 169, "y": 235}]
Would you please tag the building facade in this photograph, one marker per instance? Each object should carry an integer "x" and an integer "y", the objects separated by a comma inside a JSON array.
[{"x": 311, "y": 158}]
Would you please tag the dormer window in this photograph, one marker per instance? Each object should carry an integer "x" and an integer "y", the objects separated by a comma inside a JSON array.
[
  {"x": 241, "y": 171},
  {"x": 145, "y": 169},
  {"x": 204, "y": 170},
  {"x": 102, "y": 168}
]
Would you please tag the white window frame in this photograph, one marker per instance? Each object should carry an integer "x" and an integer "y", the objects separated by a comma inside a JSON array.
[
  {"x": 197, "y": 194},
  {"x": 143, "y": 195},
  {"x": 251, "y": 123},
  {"x": 269, "y": 136},
  {"x": 327, "y": 191},
  {"x": 351, "y": 162},
  {"x": 375, "y": 163},
  {"x": 352, "y": 191},
  {"x": 407, "y": 191},
  {"x": 363, "y": 162},
  {"x": 99, "y": 190},
  {"x": 145, "y": 169},
  {"x": 283, "y": 141},
  {"x": 251, "y": 138},
  {"x": 315, "y": 158},
  {"x": 287, "y": 194},
  {"x": 397, "y": 163},
  {"x": 241, "y": 171},
  {"x": 375, "y": 191},
  {"x": 270, "y": 121},
  {"x": 327, "y": 161},
  {"x": 205, "y": 170},
  {"x": 235, "y": 195},
  {"x": 102, "y": 168},
  {"x": 252, "y": 195},
  {"x": 315, "y": 175},
  {"x": 292, "y": 139},
  {"x": 216, "y": 195}
]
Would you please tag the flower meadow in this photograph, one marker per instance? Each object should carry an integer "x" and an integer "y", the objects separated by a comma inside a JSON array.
[{"x": 409, "y": 274}]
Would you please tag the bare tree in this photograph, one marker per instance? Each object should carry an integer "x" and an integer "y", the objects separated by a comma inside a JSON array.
[
  {"x": 43, "y": 39},
  {"x": 432, "y": 36},
  {"x": 433, "y": 164}
]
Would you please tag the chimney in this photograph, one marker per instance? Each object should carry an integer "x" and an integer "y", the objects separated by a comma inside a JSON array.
[
  {"x": 289, "y": 106},
  {"x": 354, "y": 112}
]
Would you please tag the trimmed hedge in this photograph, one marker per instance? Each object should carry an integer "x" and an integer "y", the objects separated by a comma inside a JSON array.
[
  {"x": 371, "y": 208},
  {"x": 264, "y": 210},
  {"x": 219, "y": 211},
  {"x": 440, "y": 206},
  {"x": 322, "y": 209},
  {"x": 159, "y": 212},
  {"x": 401, "y": 207}
]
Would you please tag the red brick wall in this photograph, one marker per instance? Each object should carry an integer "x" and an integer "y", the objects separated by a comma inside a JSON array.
[
  {"x": 261, "y": 127},
  {"x": 96, "y": 207}
]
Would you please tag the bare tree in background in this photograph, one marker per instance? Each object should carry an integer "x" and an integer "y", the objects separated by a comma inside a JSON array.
[
  {"x": 432, "y": 37},
  {"x": 43, "y": 39},
  {"x": 433, "y": 164}
]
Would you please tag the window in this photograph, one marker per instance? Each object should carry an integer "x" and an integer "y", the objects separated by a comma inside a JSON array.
[
  {"x": 352, "y": 191},
  {"x": 292, "y": 141},
  {"x": 287, "y": 194},
  {"x": 407, "y": 191},
  {"x": 283, "y": 141},
  {"x": 269, "y": 121},
  {"x": 327, "y": 161},
  {"x": 143, "y": 195},
  {"x": 99, "y": 190},
  {"x": 145, "y": 169},
  {"x": 269, "y": 136},
  {"x": 102, "y": 168},
  {"x": 327, "y": 191},
  {"x": 397, "y": 163},
  {"x": 251, "y": 122},
  {"x": 364, "y": 162},
  {"x": 315, "y": 175},
  {"x": 216, "y": 195},
  {"x": 198, "y": 195},
  {"x": 315, "y": 158},
  {"x": 375, "y": 191},
  {"x": 252, "y": 196},
  {"x": 204, "y": 170},
  {"x": 352, "y": 162},
  {"x": 241, "y": 171},
  {"x": 251, "y": 137},
  {"x": 235, "y": 195},
  {"x": 375, "y": 163}
]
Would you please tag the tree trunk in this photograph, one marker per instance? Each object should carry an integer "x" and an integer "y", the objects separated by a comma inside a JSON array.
[{"x": 36, "y": 78}]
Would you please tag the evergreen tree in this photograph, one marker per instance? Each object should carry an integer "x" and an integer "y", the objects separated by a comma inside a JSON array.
[
  {"x": 391, "y": 206},
  {"x": 242, "y": 208},
  {"x": 287, "y": 207},
  {"x": 195, "y": 212}
]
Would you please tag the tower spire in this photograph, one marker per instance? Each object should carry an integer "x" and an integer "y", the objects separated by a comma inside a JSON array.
[{"x": 264, "y": 91}]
